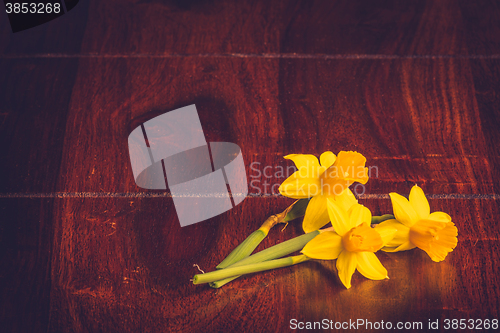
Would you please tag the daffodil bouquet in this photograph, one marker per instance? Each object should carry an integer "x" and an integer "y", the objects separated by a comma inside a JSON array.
[{"x": 321, "y": 190}]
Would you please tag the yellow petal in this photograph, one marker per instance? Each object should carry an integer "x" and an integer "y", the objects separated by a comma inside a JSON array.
[
  {"x": 307, "y": 165},
  {"x": 387, "y": 233},
  {"x": 346, "y": 200},
  {"x": 326, "y": 246},
  {"x": 419, "y": 202},
  {"x": 403, "y": 247},
  {"x": 401, "y": 236},
  {"x": 338, "y": 216},
  {"x": 346, "y": 265},
  {"x": 316, "y": 214},
  {"x": 370, "y": 266},
  {"x": 327, "y": 159},
  {"x": 334, "y": 186},
  {"x": 359, "y": 214},
  {"x": 403, "y": 210},
  {"x": 439, "y": 217},
  {"x": 303, "y": 160},
  {"x": 297, "y": 187}
]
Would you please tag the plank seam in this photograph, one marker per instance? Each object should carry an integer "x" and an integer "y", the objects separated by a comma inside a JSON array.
[
  {"x": 492, "y": 196},
  {"x": 257, "y": 55}
]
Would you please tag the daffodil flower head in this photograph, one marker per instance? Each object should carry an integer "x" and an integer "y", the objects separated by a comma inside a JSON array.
[
  {"x": 434, "y": 233},
  {"x": 328, "y": 178},
  {"x": 353, "y": 243}
]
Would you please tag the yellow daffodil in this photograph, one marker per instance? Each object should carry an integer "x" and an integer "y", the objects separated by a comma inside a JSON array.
[
  {"x": 353, "y": 243},
  {"x": 326, "y": 179},
  {"x": 417, "y": 227}
]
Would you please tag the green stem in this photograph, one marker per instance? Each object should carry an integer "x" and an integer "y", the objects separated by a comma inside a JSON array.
[
  {"x": 251, "y": 242},
  {"x": 247, "y": 269},
  {"x": 276, "y": 251},
  {"x": 244, "y": 249},
  {"x": 380, "y": 219}
]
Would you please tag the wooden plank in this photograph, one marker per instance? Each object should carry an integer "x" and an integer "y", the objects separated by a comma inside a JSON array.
[
  {"x": 373, "y": 28},
  {"x": 277, "y": 27},
  {"x": 174, "y": 27},
  {"x": 389, "y": 108},
  {"x": 289, "y": 27},
  {"x": 269, "y": 115},
  {"x": 481, "y": 34},
  {"x": 113, "y": 96},
  {"x": 26, "y": 235},
  {"x": 134, "y": 261},
  {"x": 35, "y": 96},
  {"x": 486, "y": 79}
]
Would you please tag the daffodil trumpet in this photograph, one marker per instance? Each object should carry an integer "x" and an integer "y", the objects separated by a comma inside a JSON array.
[
  {"x": 274, "y": 252},
  {"x": 297, "y": 209}
]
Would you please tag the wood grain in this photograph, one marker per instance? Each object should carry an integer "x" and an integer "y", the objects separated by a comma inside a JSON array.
[{"x": 412, "y": 86}]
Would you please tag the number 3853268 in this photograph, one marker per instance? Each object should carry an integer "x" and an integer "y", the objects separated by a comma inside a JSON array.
[{"x": 32, "y": 8}]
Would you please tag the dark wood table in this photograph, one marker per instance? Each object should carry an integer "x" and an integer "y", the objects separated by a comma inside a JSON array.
[{"x": 413, "y": 85}]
